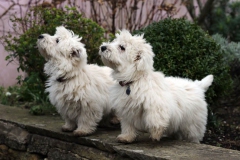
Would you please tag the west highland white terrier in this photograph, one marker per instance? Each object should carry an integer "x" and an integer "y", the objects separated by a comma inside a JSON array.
[
  {"x": 147, "y": 101},
  {"x": 79, "y": 91}
]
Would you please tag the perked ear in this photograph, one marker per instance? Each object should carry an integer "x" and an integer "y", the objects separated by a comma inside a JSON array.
[
  {"x": 144, "y": 61},
  {"x": 75, "y": 53}
]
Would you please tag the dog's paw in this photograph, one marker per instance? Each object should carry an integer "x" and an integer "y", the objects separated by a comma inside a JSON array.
[
  {"x": 194, "y": 140},
  {"x": 67, "y": 128},
  {"x": 125, "y": 138},
  {"x": 115, "y": 120},
  {"x": 156, "y": 134},
  {"x": 155, "y": 139},
  {"x": 80, "y": 133}
]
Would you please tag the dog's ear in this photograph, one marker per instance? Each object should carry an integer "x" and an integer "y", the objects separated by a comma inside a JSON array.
[
  {"x": 78, "y": 38},
  {"x": 144, "y": 61},
  {"x": 75, "y": 53}
]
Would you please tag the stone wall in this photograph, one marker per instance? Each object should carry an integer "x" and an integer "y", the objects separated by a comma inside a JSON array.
[
  {"x": 27, "y": 137},
  {"x": 18, "y": 143}
]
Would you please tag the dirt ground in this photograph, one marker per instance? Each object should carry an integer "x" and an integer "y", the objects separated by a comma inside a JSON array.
[{"x": 227, "y": 133}]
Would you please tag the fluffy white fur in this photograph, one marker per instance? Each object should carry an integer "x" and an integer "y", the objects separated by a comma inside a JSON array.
[
  {"x": 156, "y": 104},
  {"x": 79, "y": 91}
]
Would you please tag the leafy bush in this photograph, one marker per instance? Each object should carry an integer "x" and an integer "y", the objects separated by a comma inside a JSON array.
[
  {"x": 20, "y": 95},
  {"x": 232, "y": 49},
  {"x": 183, "y": 49},
  {"x": 29, "y": 95},
  {"x": 8, "y": 96},
  {"x": 45, "y": 20},
  {"x": 23, "y": 47},
  {"x": 231, "y": 58},
  {"x": 225, "y": 19}
]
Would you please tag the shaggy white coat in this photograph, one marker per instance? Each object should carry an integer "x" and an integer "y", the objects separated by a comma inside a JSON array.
[
  {"x": 79, "y": 91},
  {"x": 156, "y": 104}
]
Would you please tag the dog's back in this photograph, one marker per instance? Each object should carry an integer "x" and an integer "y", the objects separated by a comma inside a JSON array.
[{"x": 190, "y": 99}]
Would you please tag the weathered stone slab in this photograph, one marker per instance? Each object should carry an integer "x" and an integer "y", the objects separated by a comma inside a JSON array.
[
  {"x": 84, "y": 153},
  {"x": 172, "y": 149},
  {"x": 7, "y": 153},
  {"x": 48, "y": 140},
  {"x": 65, "y": 150},
  {"x": 39, "y": 144},
  {"x": 50, "y": 126},
  {"x": 13, "y": 136},
  {"x": 63, "y": 155},
  {"x": 3, "y": 151}
]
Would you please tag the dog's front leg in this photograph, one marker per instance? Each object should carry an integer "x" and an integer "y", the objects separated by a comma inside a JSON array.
[
  {"x": 87, "y": 123},
  {"x": 69, "y": 125},
  {"x": 156, "y": 123},
  {"x": 156, "y": 133},
  {"x": 129, "y": 132},
  {"x": 85, "y": 127}
]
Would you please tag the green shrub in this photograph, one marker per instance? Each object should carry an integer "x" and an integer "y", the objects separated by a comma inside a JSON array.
[
  {"x": 23, "y": 47},
  {"x": 22, "y": 96},
  {"x": 183, "y": 49},
  {"x": 225, "y": 19},
  {"x": 232, "y": 49},
  {"x": 9, "y": 96},
  {"x": 45, "y": 20},
  {"x": 231, "y": 58}
]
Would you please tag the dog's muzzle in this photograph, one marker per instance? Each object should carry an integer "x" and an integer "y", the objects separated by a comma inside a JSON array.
[{"x": 103, "y": 48}]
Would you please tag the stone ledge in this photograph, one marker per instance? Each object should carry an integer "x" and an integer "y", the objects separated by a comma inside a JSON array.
[{"x": 41, "y": 135}]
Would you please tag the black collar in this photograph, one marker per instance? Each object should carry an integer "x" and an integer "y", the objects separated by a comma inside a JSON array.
[{"x": 122, "y": 83}]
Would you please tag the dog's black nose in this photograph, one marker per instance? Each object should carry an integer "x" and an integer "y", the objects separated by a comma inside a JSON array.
[
  {"x": 40, "y": 37},
  {"x": 103, "y": 48}
]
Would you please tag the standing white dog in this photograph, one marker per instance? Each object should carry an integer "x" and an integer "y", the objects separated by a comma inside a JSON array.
[
  {"x": 80, "y": 92},
  {"x": 148, "y": 101}
]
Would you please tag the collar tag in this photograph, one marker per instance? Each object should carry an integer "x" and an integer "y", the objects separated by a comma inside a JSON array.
[{"x": 128, "y": 91}]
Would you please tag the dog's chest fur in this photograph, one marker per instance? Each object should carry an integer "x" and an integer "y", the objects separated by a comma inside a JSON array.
[
  {"x": 142, "y": 97},
  {"x": 87, "y": 89}
]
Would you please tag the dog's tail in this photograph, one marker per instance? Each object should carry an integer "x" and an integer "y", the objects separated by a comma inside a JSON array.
[{"x": 205, "y": 82}]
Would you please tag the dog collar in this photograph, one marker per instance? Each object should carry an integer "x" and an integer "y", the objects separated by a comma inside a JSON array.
[
  {"x": 125, "y": 84},
  {"x": 128, "y": 91}
]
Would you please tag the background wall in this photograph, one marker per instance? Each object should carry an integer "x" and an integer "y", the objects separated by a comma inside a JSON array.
[
  {"x": 102, "y": 8},
  {"x": 8, "y": 72}
]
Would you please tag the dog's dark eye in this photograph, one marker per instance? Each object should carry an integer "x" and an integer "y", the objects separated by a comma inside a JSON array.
[
  {"x": 122, "y": 48},
  {"x": 57, "y": 40}
]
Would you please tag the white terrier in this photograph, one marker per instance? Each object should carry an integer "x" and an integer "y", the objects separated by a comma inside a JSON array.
[
  {"x": 80, "y": 92},
  {"x": 147, "y": 101}
]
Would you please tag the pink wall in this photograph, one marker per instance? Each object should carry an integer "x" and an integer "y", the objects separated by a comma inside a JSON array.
[{"x": 8, "y": 73}]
